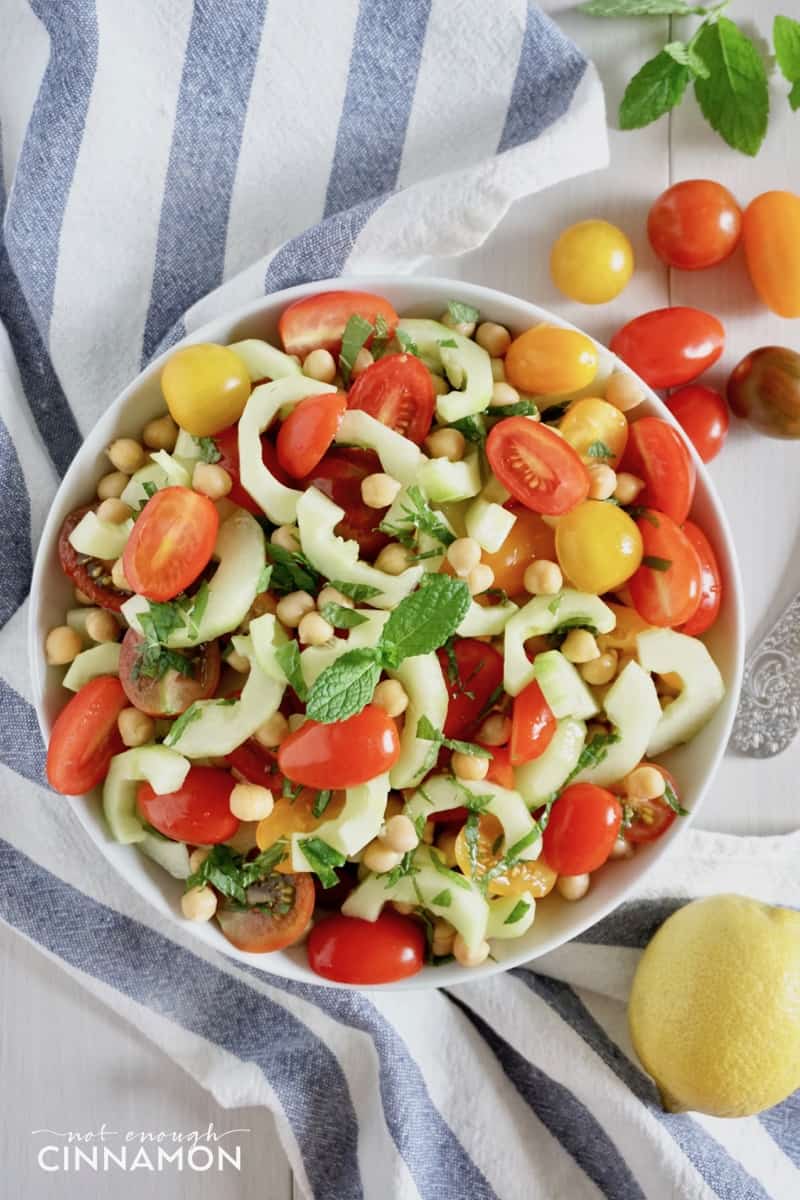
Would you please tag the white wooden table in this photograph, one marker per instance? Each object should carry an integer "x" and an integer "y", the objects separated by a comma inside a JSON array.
[{"x": 65, "y": 1052}]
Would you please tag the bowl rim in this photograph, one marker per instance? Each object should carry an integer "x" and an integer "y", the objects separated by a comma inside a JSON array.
[{"x": 436, "y": 287}]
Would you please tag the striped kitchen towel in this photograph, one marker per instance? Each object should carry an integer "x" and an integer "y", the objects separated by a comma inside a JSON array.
[{"x": 163, "y": 162}]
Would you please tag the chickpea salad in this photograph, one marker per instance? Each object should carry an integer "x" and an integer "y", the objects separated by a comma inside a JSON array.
[{"x": 378, "y": 639}]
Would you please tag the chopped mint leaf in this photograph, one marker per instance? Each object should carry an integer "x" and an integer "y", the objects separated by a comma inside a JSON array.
[
  {"x": 448, "y": 343},
  {"x": 472, "y": 428},
  {"x": 356, "y": 332},
  {"x": 209, "y": 451},
  {"x": 655, "y": 563},
  {"x": 418, "y": 515},
  {"x": 341, "y": 617},
  {"x": 407, "y": 343},
  {"x": 345, "y": 687},
  {"x": 673, "y": 801},
  {"x": 517, "y": 913},
  {"x": 404, "y": 867},
  {"x": 471, "y": 836},
  {"x": 195, "y": 614},
  {"x": 428, "y": 733},
  {"x": 193, "y": 712},
  {"x": 292, "y": 572},
  {"x": 444, "y": 899},
  {"x": 321, "y": 802},
  {"x": 288, "y": 659},
  {"x": 451, "y": 876},
  {"x": 265, "y": 574},
  {"x": 322, "y": 858},
  {"x": 520, "y": 408},
  {"x": 358, "y": 592},
  {"x": 461, "y": 313},
  {"x": 555, "y": 604},
  {"x": 600, "y": 450}
]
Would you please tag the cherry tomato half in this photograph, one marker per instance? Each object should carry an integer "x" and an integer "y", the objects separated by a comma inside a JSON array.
[
  {"x": 771, "y": 234},
  {"x": 539, "y": 468},
  {"x": 471, "y": 680},
  {"x": 598, "y": 546},
  {"x": 308, "y": 431},
  {"x": 343, "y": 753},
  {"x": 591, "y": 262},
  {"x": 657, "y": 454},
  {"x": 285, "y": 905},
  {"x": 710, "y": 583},
  {"x": 694, "y": 224},
  {"x": 206, "y": 387},
  {"x": 256, "y": 765},
  {"x": 703, "y": 415},
  {"x": 534, "y": 877},
  {"x": 318, "y": 322},
  {"x": 198, "y": 812},
  {"x": 85, "y": 737},
  {"x": 651, "y": 818},
  {"x": 667, "y": 588},
  {"x": 171, "y": 543},
  {"x": 500, "y": 770},
  {"x": 90, "y": 575},
  {"x": 583, "y": 826},
  {"x": 551, "y": 361},
  {"x": 397, "y": 390},
  {"x": 227, "y": 442},
  {"x": 350, "y": 950},
  {"x": 338, "y": 476},
  {"x": 529, "y": 538},
  {"x": 670, "y": 346},
  {"x": 532, "y": 725},
  {"x": 170, "y": 693}
]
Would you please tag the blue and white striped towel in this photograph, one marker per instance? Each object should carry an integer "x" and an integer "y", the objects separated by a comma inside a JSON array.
[{"x": 163, "y": 162}]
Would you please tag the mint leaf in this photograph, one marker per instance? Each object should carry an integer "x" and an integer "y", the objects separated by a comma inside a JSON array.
[
  {"x": 341, "y": 617},
  {"x": 520, "y": 408},
  {"x": 382, "y": 339},
  {"x": 641, "y": 8},
  {"x": 655, "y": 563},
  {"x": 452, "y": 876},
  {"x": 599, "y": 450},
  {"x": 231, "y": 873},
  {"x": 653, "y": 91},
  {"x": 356, "y": 332},
  {"x": 264, "y": 576},
  {"x": 198, "y": 608},
  {"x": 517, "y": 913},
  {"x": 292, "y": 572},
  {"x": 183, "y": 722},
  {"x": 322, "y": 858},
  {"x": 462, "y": 314},
  {"x": 734, "y": 99},
  {"x": 407, "y": 343},
  {"x": 429, "y": 733},
  {"x": 786, "y": 35},
  {"x": 448, "y": 343},
  {"x": 321, "y": 802},
  {"x": 356, "y": 591},
  {"x": 444, "y": 899},
  {"x": 345, "y": 687},
  {"x": 673, "y": 801},
  {"x": 685, "y": 53},
  {"x": 417, "y": 514},
  {"x": 426, "y": 619},
  {"x": 404, "y": 867},
  {"x": 209, "y": 451},
  {"x": 288, "y": 659},
  {"x": 472, "y": 428}
]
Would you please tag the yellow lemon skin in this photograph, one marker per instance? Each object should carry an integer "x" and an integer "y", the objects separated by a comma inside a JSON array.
[{"x": 714, "y": 1010}]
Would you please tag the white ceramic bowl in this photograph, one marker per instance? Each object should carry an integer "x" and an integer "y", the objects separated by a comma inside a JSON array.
[{"x": 557, "y": 920}]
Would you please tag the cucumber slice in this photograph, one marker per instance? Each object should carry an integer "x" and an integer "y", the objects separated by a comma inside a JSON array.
[
  {"x": 165, "y": 771},
  {"x": 443, "y": 480},
  {"x": 134, "y": 493},
  {"x": 422, "y": 678},
  {"x": 317, "y": 517},
  {"x": 357, "y": 824},
  {"x": 467, "y": 366},
  {"x": 176, "y": 473},
  {"x": 102, "y": 659},
  {"x": 264, "y": 361},
  {"x": 231, "y": 590},
  {"x": 502, "y": 908},
  {"x": 172, "y": 856},
  {"x": 489, "y": 524},
  {"x": 664, "y": 651},
  {"x": 536, "y": 781},
  {"x": 187, "y": 447},
  {"x": 543, "y": 615},
  {"x": 486, "y": 620},
  {"x": 399, "y": 457},
  {"x": 100, "y": 539},
  {"x": 441, "y": 792},
  {"x": 632, "y": 707},
  {"x": 562, "y": 686},
  {"x": 277, "y": 501}
]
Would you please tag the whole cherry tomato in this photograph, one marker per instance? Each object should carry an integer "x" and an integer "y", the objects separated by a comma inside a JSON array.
[
  {"x": 667, "y": 588},
  {"x": 171, "y": 543},
  {"x": 657, "y": 453},
  {"x": 397, "y": 391},
  {"x": 227, "y": 443},
  {"x": 308, "y": 431},
  {"x": 318, "y": 322},
  {"x": 473, "y": 671},
  {"x": 771, "y": 234},
  {"x": 539, "y": 468},
  {"x": 170, "y": 693},
  {"x": 550, "y": 360},
  {"x": 703, "y": 415},
  {"x": 591, "y": 262},
  {"x": 598, "y": 546},
  {"x": 583, "y": 826},
  {"x": 341, "y": 754},
  {"x": 710, "y": 583},
  {"x": 199, "y": 812},
  {"x": 500, "y": 770},
  {"x": 339, "y": 477},
  {"x": 529, "y": 538},
  {"x": 85, "y": 737},
  {"x": 206, "y": 388},
  {"x": 91, "y": 575},
  {"x": 765, "y": 389},
  {"x": 670, "y": 346},
  {"x": 285, "y": 904},
  {"x": 651, "y": 818},
  {"x": 694, "y": 224},
  {"x": 350, "y": 950},
  {"x": 532, "y": 725}
]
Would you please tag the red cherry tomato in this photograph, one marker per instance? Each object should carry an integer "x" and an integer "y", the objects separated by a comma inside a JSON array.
[
  {"x": 651, "y": 818},
  {"x": 710, "y": 583},
  {"x": 670, "y": 346},
  {"x": 198, "y": 812},
  {"x": 227, "y": 442},
  {"x": 285, "y": 907},
  {"x": 350, "y": 950},
  {"x": 450, "y": 816},
  {"x": 694, "y": 224},
  {"x": 532, "y": 725},
  {"x": 538, "y": 467},
  {"x": 90, "y": 575},
  {"x": 666, "y": 590},
  {"x": 85, "y": 737},
  {"x": 339, "y": 477},
  {"x": 256, "y": 765},
  {"x": 583, "y": 826},
  {"x": 343, "y": 753},
  {"x": 703, "y": 415},
  {"x": 308, "y": 431},
  {"x": 169, "y": 694},
  {"x": 657, "y": 453},
  {"x": 474, "y": 676},
  {"x": 318, "y": 322},
  {"x": 397, "y": 391},
  {"x": 500, "y": 770},
  {"x": 171, "y": 543}
]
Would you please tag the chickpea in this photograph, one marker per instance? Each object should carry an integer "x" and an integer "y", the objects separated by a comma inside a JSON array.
[
  {"x": 503, "y": 393},
  {"x": 467, "y": 957},
  {"x": 463, "y": 554},
  {"x": 330, "y": 595},
  {"x": 363, "y": 360},
  {"x": 399, "y": 834},
  {"x": 380, "y": 858},
  {"x": 114, "y": 511},
  {"x": 623, "y": 391},
  {"x": 82, "y": 598},
  {"x": 321, "y": 365},
  {"x": 102, "y": 626},
  {"x": 135, "y": 727},
  {"x": 293, "y": 607},
  {"x": 446, "y": 443},
  {"x": 126, "y": 455},
  {"x": 446, "y": 845},
  {"x": 465, "y": 328},
  {"x": 441, "y": 385},
  {"x": 198, "y": 857},
  {"x": 379, "y": 490},
  {"x": 314, "y": 630},
  {"x": 645, "y": 783},
  {"x": 495, "y": 730},
  {"x": 469, "y": 766},
  {"x": 480, "y": 579},
  {"x": 250, "y": 802},
  {"x": 621, "y": 849},
  {"x": 443, "y": 935},
  {"x": 543, "y": 578},
  {"x": 580, "y": 646},
  {"x": 627, "y": 487},
  {"x": 572, "y": 887},
  {"x": 211, "y": 480},
  {"x": 494, "y": 339},
  {"x": 238, "y": 662},
  {"x": 600, "y": 670},
  {"x": 296, "y": 721},
  {"x": 287, "y": 537},
  {"x": 160, "y": 434},
  {"x": 390, "y": 695},
  {"x": 118, "y": 577},
  {"x": 602, "y": 482},
  {"x": 62, "y": 645},
  {"x": 112, "y": 486},
  {"x": 393, "y": 559},
  {"x": 272, "y": 732},
  {"x": 199, "y": 904},
  {"x": 498, "y": 370}
]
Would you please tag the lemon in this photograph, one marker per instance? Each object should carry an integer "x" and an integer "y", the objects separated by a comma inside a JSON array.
[{"x": 714, "y": 1010}]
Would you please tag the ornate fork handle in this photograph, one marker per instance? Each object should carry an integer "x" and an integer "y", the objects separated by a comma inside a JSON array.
[{"x": 769, "y": 709}]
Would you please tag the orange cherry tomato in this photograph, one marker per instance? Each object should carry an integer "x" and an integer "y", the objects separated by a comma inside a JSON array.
[
  {"x": 500, "y": 770},
  {"x": 694, "y": 224},
  {"x": 528, "y": 538},
  {"x": 771, "y": 235},
  {"x": 539, "y": 468},
  {"x": 551, "y": 361},
  {"x": 397, "y": 390},
  {"x": 583, "y": 826},
  {"x": 532, "y": 725},
  {"x": 656, "y": 453},
  {"x": 318, "y": 322},
  {"x": 703, "y": 415},
  {"x": 199, "y": 812},
  {"x": 350, "y": 950},
  {"x": 308, "y": 431},
  {"x": 710, "y": 583},
  {"x": 85, "y": 737},
  {"x": 596, "y": 429},
  {"x": 342, "y": 754},
  {"x": 285, "y": 907},
  {"x": 473, "y": 672},
  {"x": 670, "y": 346},
  {"x": 171, "y": 543},
  {"x": 533, "y": 876},
  {"x": 651, "y": 818},
  {"x": 667, "y": 588},
  {"x": 296, "y": 815}
]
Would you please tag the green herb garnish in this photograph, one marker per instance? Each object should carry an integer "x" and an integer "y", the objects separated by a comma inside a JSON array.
[
  {"x": 418, "y": 515},
  {"x": 321, "y": 802},
  {"x": 599, "y": 450},
  {"x": 264, "y": 576},
  {"x": 292, "y": 572},
  {"x": 288, "y": 659},
  {"x": 358, "y": 592},
  {"x": 209, "y": 451},
  {"x": 232, "y": 874},
  {"x": 517, "y": 913},
  {"x": 341, "y": 617},
  {"x": 444, "y": 898},
  {"x": 356, "y": 332},
  {"x": 461, "y": 313},
  {"x": 520, "y": 408},
  {"x": 655, "y": 563},
  {"x": 428, "y": 732},
  {"x": 472, "y": 428},
  {"x": 322, "y": 858},
  {"x": 179, "y": 727}
]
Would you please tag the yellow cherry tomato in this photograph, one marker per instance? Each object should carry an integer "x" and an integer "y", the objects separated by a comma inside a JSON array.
[
  {"x": 591, "y": 262},
  {"x": 535, "y": 877},
  {"x": 596, "y": 429},
  {"x": 206, "y": 388},
  {"x": 295, "y": 816},
  {"x": 598, "y": 546},
  {"x": 528, "y": 538},
  {"x": 628, "y": 627},
  {"x": 550, "y": 361}
]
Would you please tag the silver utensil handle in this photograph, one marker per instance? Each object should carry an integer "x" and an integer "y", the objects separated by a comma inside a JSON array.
[{"x": 768, "y": 717}]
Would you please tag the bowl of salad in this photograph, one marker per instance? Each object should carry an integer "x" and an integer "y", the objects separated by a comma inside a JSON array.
[{"x": 386, "y": 632}]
